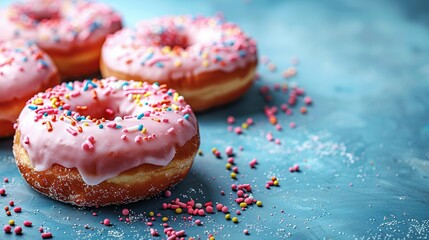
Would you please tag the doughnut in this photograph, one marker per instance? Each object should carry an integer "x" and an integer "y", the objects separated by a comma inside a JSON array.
[
  {"x": 71, "y": 32},
  {"x": 103, "y": 142},
  {"x": 208, "y": 61},
  {"x": 24, "y": 71}
]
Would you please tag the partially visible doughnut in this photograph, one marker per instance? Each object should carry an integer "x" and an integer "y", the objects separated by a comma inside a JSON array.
[
  {"x": 71, "y": 32},
  {"x": 24, "y": 71},
  {"x": 209, "y": 61},
  {"x": 102, "y": 142}
]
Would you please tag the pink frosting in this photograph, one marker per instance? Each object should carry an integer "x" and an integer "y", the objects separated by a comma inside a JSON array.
[
  {"x": 149, "y": 121},
  {"x": 24, "y": 69},
  {"x": 58, "y": 24},
  {"x": 174, "y": 47}
]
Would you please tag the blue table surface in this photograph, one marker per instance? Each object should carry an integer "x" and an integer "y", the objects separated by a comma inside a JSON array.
[{"x": 362, "y": 147}]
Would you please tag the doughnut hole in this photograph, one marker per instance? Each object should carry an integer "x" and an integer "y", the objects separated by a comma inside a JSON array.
[
  {"x": 103, "y": 107},
  {"x": 45, "y": 10}
]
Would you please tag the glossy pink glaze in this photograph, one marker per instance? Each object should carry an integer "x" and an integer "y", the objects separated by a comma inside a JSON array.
[
  {"x": 103, "y": 150},
  {"x": 58, "y": 25},
  {"x": 24, "y": 69},
  {"x": 170, "y": 48}
]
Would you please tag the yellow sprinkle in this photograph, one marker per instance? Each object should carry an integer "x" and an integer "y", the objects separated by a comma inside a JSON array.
[
  {"x": 174, "y": 106},
  {"x": 38, "y": 101},
  {"x": 228, "y": 166},
  {"x": 228, "y": 216},
  {"x": 175, "y": 96},
  {"x": 166, "y": 49},
  {"x": 212, "y": 238},
  {"x": 11, "y": 222},
  {"x": 86, "y": 124},
  {"x": 205, "y": 63},
  {"x": 146, "y": 94},
  {"x": 259, "y": 203},
  {"x": 235, "y": 220},
  {"x": 178, "y": 210},
  {"x": 205, "y": 55},
  {"x": 243, "y": 204},
  {"x": 276, "y": 183},
  {"x": 144, "y": 130},
  {"x": 165, "y": 219},
  {"x": 67, "y": 96},
  {"x": 151, "y": 214},
  {"x": 200, "y": 152},
  {"x": 177, "y": 63},
  {"x": 244, "y": 125},
  {"x": 233, "y": 175}
]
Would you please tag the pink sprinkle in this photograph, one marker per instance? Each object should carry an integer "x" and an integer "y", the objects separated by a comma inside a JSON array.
[
  {"x": 201, "y": 212},
  {"x": 246, "y": 232},
  {"x": 290, "y": 72},
  {"x": 7, "y": 228},
  {"x": 222, "y": 193},
  {"x": 167, "y": 193},
  {"x": 240, "y": 193},
  {"x": 248, "y": 201},
  {"x": 125, "y": 212},
  {"x": 229, "y": 151},
  {"x": 296, "y": 168},
  {"x": 6, "y": 180},
  {"x": 46, "y": 235},
  {"x": 269, "y": 137},
  {"x": 239, "y": 200},
  {"x": 165, "y": 120},
  {"x": 225, "y": 209},
  {"x": 26, "y": 140},
  {"x": 11, "y": 203},
  {"x": 198, "y": 222},
  {"x": 124, "y": 137},
  {"x": 234, "y": 187},
  {"x": 111, "y": 124},
  {"x": 307, "y": 100},
  {"x": 235, "y": 169},
  {"x": 292, "y": 124},
  {"x": 230, "y": 120},
  {"x": 219, "y": 206},
  {"x": 94, "y": 214},
  {"x": 109, "y": 111},
  {"x": 149, "y": 224},
  {"x": 28, "y": 223},
  {"x": 40, "y": 229},
  {"x": 180, "y": 120},
  {"x": 238, "y": 212},
  {"x": 278, "y": 127},
  {"x": 291, "y": 169},
  {"x": 180, "y": 233},
  {"x": 277, "y": 141},
  {"x": 106, "y": 222},
  {"x": 231, "y": 160},
  {"x": 153, "y": 232},
  {"x": 17, "y": 209},
  {"x": 209, "y": 209},
  {"x": 171, "y": 130},
  {"x": 138, "y": 139},
  {"x": 238, "y": 130},
  {"x": 18, "y": 230}
]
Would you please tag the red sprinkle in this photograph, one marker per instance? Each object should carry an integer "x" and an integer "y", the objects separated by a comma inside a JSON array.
[
  {"x": 7, "y": 228},
  {"x": 46, "y": 235},
  {"x": 17, "y": 209},
  {"x": 106, "y": 222},
  {"x": 28, "y": 223},
  {"x": 18, "y": 230}
]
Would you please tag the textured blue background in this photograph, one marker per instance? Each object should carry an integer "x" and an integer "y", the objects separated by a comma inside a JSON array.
[{"x": 363, "y": 146}]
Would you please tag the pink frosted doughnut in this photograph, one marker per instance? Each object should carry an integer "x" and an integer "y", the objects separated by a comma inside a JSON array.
[
  {"x": 207, "y": 60},
  {"x": 24, "y": 71},
  {"x": 102, "y": 142},
  {"x": 71, "y": 32}
]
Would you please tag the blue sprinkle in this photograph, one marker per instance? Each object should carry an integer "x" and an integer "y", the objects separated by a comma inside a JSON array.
[
  {"x": 32, "y": 107},
  {"x": 118, "y": 126},
  {"x": 100, "y": 126},
  {"x": 140, "y": 116},
  {"x": 25, "y": 59},
  {"x": 186, "y": 116},
  {"x": 89, "y": 82},
  {"x": 169, "y": 109},
  {"x": 60, "y": 108},
  {"x": 242, "y": 53},
  {"x": 140, "y": 127},
  {"x": 45, "y": 114},
  {"x": 56, "y": 38},
  {"x": 70, "y": 86},
  {"x": 43, "y": 63},
  {"x": 170, "y": 93},
  {"x": 218, "y": 58},
  {"x": 125, "y": 84},
  {"x": 94, "y": 26},
  {"x": 159, "y": 64},
  {"x": 69, "y": 113}
]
